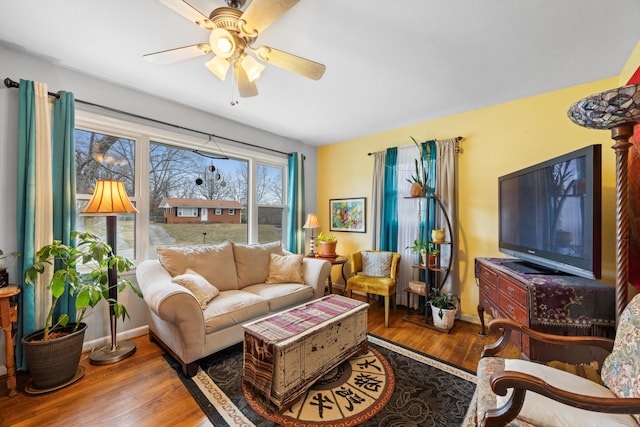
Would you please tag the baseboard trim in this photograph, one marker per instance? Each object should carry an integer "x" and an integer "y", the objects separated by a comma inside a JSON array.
[{"x": 128, "y": 334}]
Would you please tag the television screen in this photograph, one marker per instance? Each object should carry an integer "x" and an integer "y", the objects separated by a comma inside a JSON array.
[{"x": 549, "y": 214}]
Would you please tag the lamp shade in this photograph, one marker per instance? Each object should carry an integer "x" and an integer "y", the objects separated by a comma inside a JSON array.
[
  {"x": 109, "y": 198},
  {"x": 312, "y": 221}
]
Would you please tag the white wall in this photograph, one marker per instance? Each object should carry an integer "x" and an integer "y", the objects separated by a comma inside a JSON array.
[{"x": 18, "y": 65}]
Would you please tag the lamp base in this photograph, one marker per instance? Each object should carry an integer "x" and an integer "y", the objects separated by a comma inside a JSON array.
[{"x": 107, "y": 355}]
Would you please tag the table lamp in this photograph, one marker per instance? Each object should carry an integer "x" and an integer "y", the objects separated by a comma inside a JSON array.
[
  {"x": 110, "y": 199},
  {"x": 312, "y": 223}
]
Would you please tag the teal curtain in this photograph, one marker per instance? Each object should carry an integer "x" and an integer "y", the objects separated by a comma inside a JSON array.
[
  {"x": 389, "y": 221},
  {"x": 64, "y": 184},
  {"x": 295, "y": 203},
  {"x": 25, "y": 213}
]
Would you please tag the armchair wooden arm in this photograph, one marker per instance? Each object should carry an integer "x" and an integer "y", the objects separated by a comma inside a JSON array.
[
  {"x": 521, "y": 383},
  {"x": 509, "y": 325}
]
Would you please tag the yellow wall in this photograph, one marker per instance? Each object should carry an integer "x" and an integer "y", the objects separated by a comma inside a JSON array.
[{"x": 497, "y": 140}]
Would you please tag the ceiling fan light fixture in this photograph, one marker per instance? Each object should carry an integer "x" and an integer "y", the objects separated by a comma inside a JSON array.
[
  {"x": 252, "y": 67},
  {"x": 222, "y": 42},
  {"x": 218, "y": 67}
]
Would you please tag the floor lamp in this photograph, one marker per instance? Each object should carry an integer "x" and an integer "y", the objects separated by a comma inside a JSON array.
[
  {"x": 110, "y": 199},
  {"x": 619, "y": 111},
  {"x": 312, "y": 223}
]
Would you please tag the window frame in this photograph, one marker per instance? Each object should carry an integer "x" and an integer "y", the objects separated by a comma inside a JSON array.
[{"x": 144, "y": 134}]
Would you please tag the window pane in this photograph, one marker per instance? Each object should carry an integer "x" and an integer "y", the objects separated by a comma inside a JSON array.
[
  {"x": 269, "y": 195},
  {"x": 180, "y": 178},
  {"x": 100, "y": 156}
]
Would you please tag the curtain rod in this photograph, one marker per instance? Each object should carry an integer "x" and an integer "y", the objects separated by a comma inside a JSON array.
[
  {"x": 458, "y": 149},
  {"x": 13, "y": 84}
]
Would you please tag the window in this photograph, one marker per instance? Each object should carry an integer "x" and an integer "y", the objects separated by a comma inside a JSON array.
[
  {"x": 191, "y": 212},
  {"x": 163, "y": 166}
]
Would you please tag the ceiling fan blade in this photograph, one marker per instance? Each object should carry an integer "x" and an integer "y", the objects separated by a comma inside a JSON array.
[
  {"x": 290, "y": 62},
  {"x": 191, "y": 13},
  {"x": 262, "y": 13},
  {"x": 246, "y": 88},
  {"x": 178, "y": 54}
]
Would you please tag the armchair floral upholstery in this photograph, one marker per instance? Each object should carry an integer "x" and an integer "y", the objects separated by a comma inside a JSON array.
[
  {"x": 516, "y": 392},
  {"x": 375, "y": 272}
]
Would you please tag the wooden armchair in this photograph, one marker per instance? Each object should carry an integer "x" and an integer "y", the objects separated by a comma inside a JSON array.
[{"x": 517, "y": 392}]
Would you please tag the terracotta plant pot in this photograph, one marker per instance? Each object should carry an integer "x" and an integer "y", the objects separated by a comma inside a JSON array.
[
  {"x": 416, "y": 190},
  {"x": 327, "y": 249}
]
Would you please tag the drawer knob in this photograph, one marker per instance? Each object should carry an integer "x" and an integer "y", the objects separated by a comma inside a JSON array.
[
  {"x": 511, "y": 309},
  {"x": 510, "y": 289}
]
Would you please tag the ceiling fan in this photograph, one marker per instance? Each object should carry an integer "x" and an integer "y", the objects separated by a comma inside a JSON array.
[{"x": 233, "y": 34}]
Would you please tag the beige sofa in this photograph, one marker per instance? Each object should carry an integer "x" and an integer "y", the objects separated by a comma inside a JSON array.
[{"x": 189, "y": 326}]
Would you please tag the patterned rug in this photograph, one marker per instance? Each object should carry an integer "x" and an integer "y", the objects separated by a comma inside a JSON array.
[{"x": 419, "y": 391}]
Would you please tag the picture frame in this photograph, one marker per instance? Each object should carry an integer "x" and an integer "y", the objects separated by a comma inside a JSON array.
[{"x": 348, "y": 215}]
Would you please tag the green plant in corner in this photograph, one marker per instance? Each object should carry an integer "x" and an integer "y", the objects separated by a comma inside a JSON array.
[
  {"x": 326, "y": 237},
  {"x": 446, "y": 301},
  {"x": 90, "y": 287}
]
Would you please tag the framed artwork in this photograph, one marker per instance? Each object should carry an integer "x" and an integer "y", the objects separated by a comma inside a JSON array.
[{"x": 348, "y": 214}]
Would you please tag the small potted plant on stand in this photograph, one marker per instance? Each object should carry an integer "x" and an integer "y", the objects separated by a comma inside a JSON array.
[
  {"x": 53, "y": 352},
  {"x": 434, "y": 256},
  {"x": 443, "y": 308},
  {"x": 327, "y": 245},
  {"x": 419, "y": 247}
]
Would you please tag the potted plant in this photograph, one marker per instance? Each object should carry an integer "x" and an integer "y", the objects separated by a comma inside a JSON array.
[
  {"x": 327, "y": 245},
  {"x": 419, "y": 247},
  {"x": 443, "y": 308},
  {"x": 434, "y": 256},
  {"x": 53, "y": 352},
  {"x": 419, "y": 178}
]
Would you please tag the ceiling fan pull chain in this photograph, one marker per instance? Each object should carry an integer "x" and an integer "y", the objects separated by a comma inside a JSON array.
[{"x": 233, "y": 86}]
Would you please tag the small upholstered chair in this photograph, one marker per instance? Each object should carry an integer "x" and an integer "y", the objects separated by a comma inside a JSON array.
[
  {"x": 515, "y": 392},
  {"x": 375, "y": 272}
]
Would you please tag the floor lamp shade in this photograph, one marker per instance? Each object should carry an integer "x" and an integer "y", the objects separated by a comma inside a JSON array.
[{"x": 110, "y": 199}]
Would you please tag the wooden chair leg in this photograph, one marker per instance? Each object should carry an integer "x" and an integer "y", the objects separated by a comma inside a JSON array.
[{"x": 386, "y": 312}]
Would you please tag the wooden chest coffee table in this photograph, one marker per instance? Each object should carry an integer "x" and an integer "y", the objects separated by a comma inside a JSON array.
[{"x": 284, "y": 354}]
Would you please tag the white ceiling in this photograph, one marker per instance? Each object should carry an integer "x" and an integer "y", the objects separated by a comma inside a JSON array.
[{"x": 389, "y": 63}]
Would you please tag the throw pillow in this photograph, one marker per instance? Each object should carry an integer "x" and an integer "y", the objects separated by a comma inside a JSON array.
[
  {"x": 252, "y": 261},
  {"x": 213, "y": 262},
  {"x": 198, "y": 285},
  {"x": 285, "y": 269},
  {"x": 621, "y": 369},
  {"x": 376, "y": 264}
]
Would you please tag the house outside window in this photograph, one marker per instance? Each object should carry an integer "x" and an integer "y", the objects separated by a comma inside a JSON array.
[{"x": 157, "y": 165}]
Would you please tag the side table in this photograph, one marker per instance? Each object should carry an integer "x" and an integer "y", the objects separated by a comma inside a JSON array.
[
  {"x": 335, "y": 260},
  {"x": 9, "y": 314}
]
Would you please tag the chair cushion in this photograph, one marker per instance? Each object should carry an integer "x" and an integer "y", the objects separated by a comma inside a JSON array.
[
  {"x": 376, "y": 264},
  {"x": 213, "y": 262},
  {"x": 252, "y": 261},
  {"x": 621, "y": 369},
  {"x": 542, "y": 411},
  {"x": 285, "y": 269},
  {"x": 198, "y": 285},
  {"x": 384, "y": 286}
]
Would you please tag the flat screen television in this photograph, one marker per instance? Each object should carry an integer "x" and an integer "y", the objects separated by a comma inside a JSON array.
[{"x": 550, "y": 215}]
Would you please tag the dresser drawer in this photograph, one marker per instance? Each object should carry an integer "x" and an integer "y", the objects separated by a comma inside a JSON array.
[
  {"x": 513, "y": 310},
  {"x": 488, "y": 283},
  {"x": 514, "y": 291}
]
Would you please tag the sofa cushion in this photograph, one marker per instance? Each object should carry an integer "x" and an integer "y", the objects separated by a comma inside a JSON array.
[
  {"x": 282, "y": 295},
  {"x": 231, "y": 308},
  {"x": 252, "y": 261},
  {"x": 213, "y": 262},
  {"x": 285, "y": 269},
  {"x": 538, "y": 410},
  {"x": 198, "y": 285}
]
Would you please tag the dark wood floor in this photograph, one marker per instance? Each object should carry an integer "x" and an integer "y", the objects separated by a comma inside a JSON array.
[{"x": 144, "y": 391}]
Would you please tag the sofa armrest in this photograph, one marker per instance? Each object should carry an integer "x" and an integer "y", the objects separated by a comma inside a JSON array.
[
  {"x": 315, "y": 273},
  {"x": 167, "y": 300}
]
